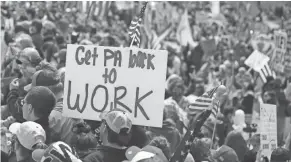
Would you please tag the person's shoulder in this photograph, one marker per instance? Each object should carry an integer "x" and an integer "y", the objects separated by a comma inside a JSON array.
[{"x": 95, "y": 156}]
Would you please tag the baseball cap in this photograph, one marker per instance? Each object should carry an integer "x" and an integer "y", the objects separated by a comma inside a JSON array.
[
  {"x": 28, "y": 133},
  {"x": 135, "y": 154},
  {"x": 56, "y": 152},
  {"x": 117, "y": 120},
  {"x": 280, "y": 155},
  {"x": 225, "y": 154},
  {"x": 29, "y": 55},
  {"x": 43, "y": 78}
]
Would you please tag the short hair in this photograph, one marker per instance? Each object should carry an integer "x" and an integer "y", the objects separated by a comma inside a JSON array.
[
  {"x": 163, "y": 144},
  {"x": 228, "y": 110},
  {"x": 121, "y": 139},
  {"x": 42, "y": 100},
  {"x": 31, "y": 11}
]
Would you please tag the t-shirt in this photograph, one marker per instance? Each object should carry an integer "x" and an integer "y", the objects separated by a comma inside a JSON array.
[{"x": 106, "y": 154}]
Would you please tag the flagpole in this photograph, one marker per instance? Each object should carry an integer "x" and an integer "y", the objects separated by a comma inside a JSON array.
[{"x": 131, "y": 42}]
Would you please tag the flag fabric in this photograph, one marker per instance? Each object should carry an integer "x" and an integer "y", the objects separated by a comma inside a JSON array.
[
  {"x": 134, "y": 30},
  {"x": 184, "y": 34},
  {"x": 266, "y": 71},
  {"x": 99, "y": 9},
  {"x": 203, "y": 102}
]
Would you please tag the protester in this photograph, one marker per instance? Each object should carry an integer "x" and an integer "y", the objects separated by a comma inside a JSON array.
[
  {"x": 83, "y": 141},
  {"x": 115, "y": 137},
  {"x": 168, "y": 130},
  {"x": 251, "y": 155},
  {"x": 30, "y": 136},
  {"x": 37, "y": 106}
]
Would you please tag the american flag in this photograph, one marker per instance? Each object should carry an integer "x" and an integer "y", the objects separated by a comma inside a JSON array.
[
  {"x": 204, "y": 102},
  {"x": 134, "y": 28},
  {"x": 266, "y": 71},
  {"x": 183, "y": 149}
]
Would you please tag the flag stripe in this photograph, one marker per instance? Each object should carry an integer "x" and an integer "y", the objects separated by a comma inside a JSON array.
[{"x": 266, "y": 71}]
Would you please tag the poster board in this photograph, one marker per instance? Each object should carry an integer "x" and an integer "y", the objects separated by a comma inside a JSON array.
[
  {"x": 257, "y": 60},
  {"x": 100, "y": 78},
  {"x": 268, "y": 128}
]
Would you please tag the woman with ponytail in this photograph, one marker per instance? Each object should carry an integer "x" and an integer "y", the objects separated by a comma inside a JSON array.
[{"x": 83, "y": 140}]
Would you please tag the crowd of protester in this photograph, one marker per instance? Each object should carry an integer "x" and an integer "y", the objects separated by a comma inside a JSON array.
[{"x": 33, "y": 67}]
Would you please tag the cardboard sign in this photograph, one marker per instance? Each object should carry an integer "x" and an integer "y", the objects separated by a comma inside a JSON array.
[
  {"x": 268, "y": 128},
  {"x": 99, "y": 79},
  {"x": 208, "y": 46},
  {"x": 257, "y": 60}
]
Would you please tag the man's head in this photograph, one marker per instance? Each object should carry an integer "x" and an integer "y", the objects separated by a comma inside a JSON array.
[
  {"x": 28, "y": 59},
  {"x": 116, "y": 128},
  {"x": 35, "y": 27},
  {"x": 38, "y": 103},
  {"x": 30, "y": 13}
]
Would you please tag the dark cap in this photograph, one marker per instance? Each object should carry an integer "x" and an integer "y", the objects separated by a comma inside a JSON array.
[{"x": 43, "y": 78}]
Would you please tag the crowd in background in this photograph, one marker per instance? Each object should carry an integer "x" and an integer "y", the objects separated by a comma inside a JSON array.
[{"x": 34, "y": 36}]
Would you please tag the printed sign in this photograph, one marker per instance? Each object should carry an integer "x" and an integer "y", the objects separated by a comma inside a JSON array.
[
  {"x": 257, "y": 60},
  {"x": 268, "y": 128},
  {"x": 280, "y": 40},
  {"x": 99, "y": 79}
]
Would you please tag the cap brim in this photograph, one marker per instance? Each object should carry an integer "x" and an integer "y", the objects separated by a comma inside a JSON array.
[
  {"x": 14, "y": 128},
  {"x": 27, "y": 88},
  {"x": 131, "y": 152},
  {"x": 142, "y": 155}
]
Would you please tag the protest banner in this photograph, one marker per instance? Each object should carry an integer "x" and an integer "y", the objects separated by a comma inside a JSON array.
[
  {"x": 268, "y": 128},
  {"x": 208, "y": 47},
  {"x": 99, "y": 79},
  {"x": 257, "y": 60},
  {"x": 280, "y": 41}
]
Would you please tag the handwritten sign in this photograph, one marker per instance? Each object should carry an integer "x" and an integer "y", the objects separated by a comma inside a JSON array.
[
  {"x": 257, "y": 60},
  {"x": 268, "y": 128},
  {"x": 101, "y": 78}
]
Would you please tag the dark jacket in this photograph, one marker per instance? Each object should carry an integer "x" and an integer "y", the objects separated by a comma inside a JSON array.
[
  {"x": 170, "y": 132},
  {"x": 106, "y": 154}
]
